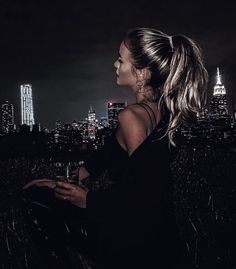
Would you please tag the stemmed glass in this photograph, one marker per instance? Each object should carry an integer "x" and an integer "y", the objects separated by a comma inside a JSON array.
[
  {"x": 67, "y": 172},
  {"x": 72, "y": 173}
]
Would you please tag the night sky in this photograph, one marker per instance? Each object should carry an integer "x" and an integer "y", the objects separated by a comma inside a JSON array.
[{"x": 66, "y": 49}]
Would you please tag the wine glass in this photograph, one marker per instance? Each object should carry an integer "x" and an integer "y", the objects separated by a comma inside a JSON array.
[{"x": 72, "y": 172}]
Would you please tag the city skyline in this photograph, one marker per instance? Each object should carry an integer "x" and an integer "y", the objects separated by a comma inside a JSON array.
[
  {"x": 218, "y": 95},
  {"x": 67, "y": 51}
]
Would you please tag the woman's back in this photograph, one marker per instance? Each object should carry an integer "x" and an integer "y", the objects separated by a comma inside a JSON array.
[{"x": 138, "y": 220}]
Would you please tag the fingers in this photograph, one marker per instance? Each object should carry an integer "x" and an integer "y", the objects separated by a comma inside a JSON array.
[
  {"x": 51, "y": 185},
  {"x": 41, "y": 182},
  {"x": 65, "y": 185},
  {"x": 62, "y": 192},
  {"x": 61, "y": 197},
  {"x": 65, "y": 194},
  {"x": 70, "y": 191}
]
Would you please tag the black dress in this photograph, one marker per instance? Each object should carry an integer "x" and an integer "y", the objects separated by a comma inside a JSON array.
[{"x": 135, "y": 216}]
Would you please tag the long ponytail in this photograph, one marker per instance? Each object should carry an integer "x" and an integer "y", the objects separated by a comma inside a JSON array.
[{"x": 183, "y": 92}]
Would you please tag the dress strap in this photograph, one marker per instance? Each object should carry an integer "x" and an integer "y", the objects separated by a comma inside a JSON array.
[
  {"x": 143, "y": 105},
  {"x": 152, "y": 112}
]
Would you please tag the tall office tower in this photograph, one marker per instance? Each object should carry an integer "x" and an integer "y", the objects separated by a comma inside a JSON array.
[
  {"x": 218, "y": 103},
  {"x": 58, "y": 125},
  {"x": 104, "y": 122},
  {"x": 113, "y": 110},
  {"x": 7, "y": 117},
  {"x": 75, "y": 125},
  {"x": 91, "y": 124},
  {"x": 83, "y": 127},
  {"x": 27, "y": 112}
]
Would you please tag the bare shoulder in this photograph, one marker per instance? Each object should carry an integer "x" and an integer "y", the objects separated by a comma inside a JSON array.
[
  {"x": 132, "y": 114},
  {"x": 132, "y": 131}
]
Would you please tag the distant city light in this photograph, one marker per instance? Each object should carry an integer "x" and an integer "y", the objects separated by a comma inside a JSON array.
[
  {"x": 7, "y": 117},
  {"x": 113, "y": 110}
]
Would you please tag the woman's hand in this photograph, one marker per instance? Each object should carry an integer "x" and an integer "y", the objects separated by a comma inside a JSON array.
[
  {"x": 64, "y": 191},
  {"x": 50, "y": 183},
  {"x": 72, "y": 193}
]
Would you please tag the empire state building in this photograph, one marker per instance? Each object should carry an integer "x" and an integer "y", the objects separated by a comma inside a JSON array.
[{"x": 218, "y": 104}]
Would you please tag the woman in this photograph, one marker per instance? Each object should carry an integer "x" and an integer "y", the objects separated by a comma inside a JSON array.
[{"x": 133, "y": 219}]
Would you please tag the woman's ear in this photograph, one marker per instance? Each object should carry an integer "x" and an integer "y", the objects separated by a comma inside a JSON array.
[
  {"x": 147, "y": 73},
  {"x": 143, "y": 74}
]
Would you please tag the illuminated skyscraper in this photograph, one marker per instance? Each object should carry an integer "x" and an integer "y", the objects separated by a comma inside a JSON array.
[
  {"x": 219, "y": 88},
  {"x": 7, "y": 117},
  {"x": 58, "y": 126},
  {"x": 91, "y": 124},
  {"x": 75, "y": 125},
  {"x": 27, "y": 112},
  {"x": 113, "y": 110},
  {"x": 104, "y": 121},
  {"x": 218, "y": 104}
]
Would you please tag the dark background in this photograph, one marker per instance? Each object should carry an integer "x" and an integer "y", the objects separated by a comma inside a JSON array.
[{"x": 66, "y": 49}]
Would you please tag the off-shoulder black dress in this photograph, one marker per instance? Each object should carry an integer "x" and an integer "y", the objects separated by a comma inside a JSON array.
[{"x": 135, "y": 215}]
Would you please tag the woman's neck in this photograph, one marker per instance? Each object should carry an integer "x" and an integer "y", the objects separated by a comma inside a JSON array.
[
  {"x": 139, "y": 98},
  {"x": 152, "y": 104},
  {"x": 144, "y": 96}
]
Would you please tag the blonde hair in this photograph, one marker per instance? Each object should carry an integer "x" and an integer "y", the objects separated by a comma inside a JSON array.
[{"x": 178, "y": 76}]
